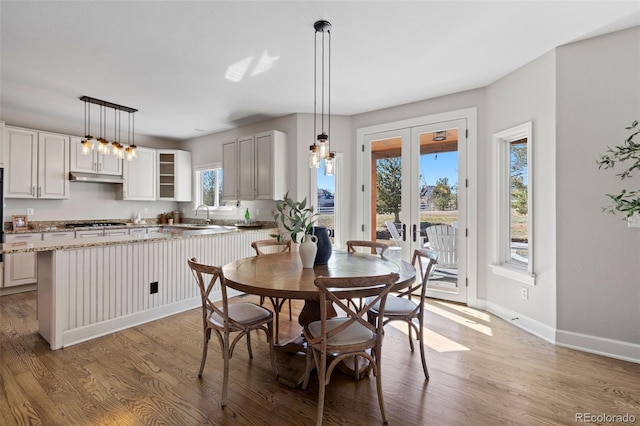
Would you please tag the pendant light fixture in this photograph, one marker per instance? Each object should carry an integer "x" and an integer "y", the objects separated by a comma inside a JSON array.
[
  {"x": 321, "y": 148},
  {"x": 440, "y": 136},
  {"x": 105, "y": 147},
  {"x": 87, "y": 142},
  {"x": 131, "y": 149}
]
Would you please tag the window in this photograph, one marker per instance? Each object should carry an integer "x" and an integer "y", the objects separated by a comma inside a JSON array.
[
  {"x": 208, "y": 185},
  {"x": 513, "y": 254},
  {"x": 328, "y": 199}
]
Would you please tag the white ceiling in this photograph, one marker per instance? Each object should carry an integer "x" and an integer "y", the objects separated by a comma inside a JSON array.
[{"x": 170, "y": 59}]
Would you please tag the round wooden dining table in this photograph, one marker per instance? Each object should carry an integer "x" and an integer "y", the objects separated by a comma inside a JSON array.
[{"x": 281, "y": 275}]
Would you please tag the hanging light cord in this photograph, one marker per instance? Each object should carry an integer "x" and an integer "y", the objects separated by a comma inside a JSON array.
[
  {"x": 328, "y": 94},
  {"x": 315, "y": 84}
]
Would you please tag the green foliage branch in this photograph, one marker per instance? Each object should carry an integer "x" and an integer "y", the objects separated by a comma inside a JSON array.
[
  {"x": 295, "y": 217},
  {"x": 625, "y": 202}
]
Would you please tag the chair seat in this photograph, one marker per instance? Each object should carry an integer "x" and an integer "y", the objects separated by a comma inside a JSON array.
[
  {"x": 353, "y": 334},
  {"x": 395, "y": 306},
  {"x": 245, "y": 313}
]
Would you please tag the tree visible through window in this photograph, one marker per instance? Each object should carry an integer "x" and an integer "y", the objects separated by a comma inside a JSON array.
[
  {"x": 209, "y": 186},
  {"x": 519, "y": 197},
  {"x": 389, "y": 187}
]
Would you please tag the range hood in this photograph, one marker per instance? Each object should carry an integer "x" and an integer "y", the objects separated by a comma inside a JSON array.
[{"x": 94, "y": 177}]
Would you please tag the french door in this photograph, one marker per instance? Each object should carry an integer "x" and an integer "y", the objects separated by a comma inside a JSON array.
[{"x": 417, "y": 198}]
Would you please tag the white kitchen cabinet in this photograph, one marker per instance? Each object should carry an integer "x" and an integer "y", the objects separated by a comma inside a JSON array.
[
  {"x": 255, "y": 168},
  {"x": 21, "y": 268},
  {"x": 1, "y": 143},
  {"x": 246, "y": 168},
  {"x": 271, "y": 170},
  {"x": 89, "y": 233},
  {"x": 174, "y": 175},
  {"x": 138, "y": 232},
  {"x": 140, "y": 176},
  {"x": 37, "y": 164},
  {"x": 60, "y": 235},
  {"x": 112, "y": 232},
  {"x": 21, "y": 173},
  {"x": 229, "y": 171},
  {"x": 93, "y": 162}
]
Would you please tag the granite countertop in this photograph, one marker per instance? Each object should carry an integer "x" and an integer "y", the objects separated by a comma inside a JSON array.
[
  {"x": 75, "y": 243},
  {"x": 60, "y": 226}
]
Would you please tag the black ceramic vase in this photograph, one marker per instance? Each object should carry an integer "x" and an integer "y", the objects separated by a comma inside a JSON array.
[{"x": 324, "y": 245}]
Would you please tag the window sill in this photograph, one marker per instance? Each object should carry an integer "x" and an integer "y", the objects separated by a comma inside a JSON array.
[{"x": 514, "y": 273}]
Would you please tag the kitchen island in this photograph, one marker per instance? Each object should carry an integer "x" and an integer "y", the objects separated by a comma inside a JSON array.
[{"x": 92, "y": 287}]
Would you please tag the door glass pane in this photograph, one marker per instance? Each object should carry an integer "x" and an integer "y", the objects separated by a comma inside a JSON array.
[
  {"x": 438, "y": 204},
  {"x": 386, "y": 193},
  {"x": 519, "y": 214}
]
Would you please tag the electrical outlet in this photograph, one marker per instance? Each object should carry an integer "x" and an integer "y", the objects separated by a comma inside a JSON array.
[
  {"x": 29, "y": 212},
  {"x": 257, "y": 212},
  {"x": 525, "y": 293},
  {"x": 146, "y": 211}
]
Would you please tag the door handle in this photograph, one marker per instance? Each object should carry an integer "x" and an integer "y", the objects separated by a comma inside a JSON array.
[
  {"x": 414, "y": 232},
  {"x": 404, "y": 232}
]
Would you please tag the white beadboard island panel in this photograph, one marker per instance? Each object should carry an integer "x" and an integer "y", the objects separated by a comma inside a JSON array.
[{"x": 87, "y": 292}]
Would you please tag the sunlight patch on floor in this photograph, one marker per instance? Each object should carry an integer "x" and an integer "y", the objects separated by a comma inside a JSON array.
[
  {"x": 459, "y": 319},
  {"x": 435, "y": 341},
  {"x": 466, "y": 310}
]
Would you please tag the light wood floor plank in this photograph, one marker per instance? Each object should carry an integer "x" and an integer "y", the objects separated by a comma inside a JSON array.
[{"x": 484, "y": 371}]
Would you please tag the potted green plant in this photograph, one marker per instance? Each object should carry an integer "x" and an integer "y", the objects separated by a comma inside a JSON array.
[
  {"x": 625, "y": 202},
  {"x": 169, "y": 217},
  {"x": 294, "y": 217}
]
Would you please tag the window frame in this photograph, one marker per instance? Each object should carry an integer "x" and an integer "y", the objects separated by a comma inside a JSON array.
[
  {"x": 503, "y": 264},
  {"x": 198, "y": 184}
]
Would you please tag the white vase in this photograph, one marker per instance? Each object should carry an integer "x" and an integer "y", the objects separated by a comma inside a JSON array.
[{"x": 308, "y": 249}]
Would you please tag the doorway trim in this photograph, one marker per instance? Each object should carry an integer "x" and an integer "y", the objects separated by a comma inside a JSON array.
[{"x": 470, "y": 115}]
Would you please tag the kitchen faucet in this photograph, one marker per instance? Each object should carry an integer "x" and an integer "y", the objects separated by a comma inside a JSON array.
[{"x": 208, "y": 221}]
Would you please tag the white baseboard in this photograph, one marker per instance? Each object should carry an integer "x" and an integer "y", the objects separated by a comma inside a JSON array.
[
  {"x": 582, "y": 342},
  {"x": 599, "y": 345},
  {"x": 17, "y": 289},
  {"x": 530, "y": 325},
  {"x": 82, "y": 334}
]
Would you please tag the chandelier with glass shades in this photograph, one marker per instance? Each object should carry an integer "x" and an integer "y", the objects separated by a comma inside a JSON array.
[
  {"x": 102, "y": 144},
  {"x": 321, "y": 148}
]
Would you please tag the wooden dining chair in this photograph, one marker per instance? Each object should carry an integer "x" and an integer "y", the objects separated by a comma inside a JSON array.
[
  {"x": 401, "y": 307},
  {"x": 375, "y": 246},
  {"x": 237, "y": 317},
  {"x": 263, "y": 247},
  {"x": 350, "y": 335}
]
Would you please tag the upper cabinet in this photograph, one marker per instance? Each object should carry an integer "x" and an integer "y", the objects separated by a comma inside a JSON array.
[
  {"x": 94, "y": 162},
  {"x": 140, "y": 176},
  {"x": 1, "y": 143},
  {"x": 36, "y": 163},
  {"x": 254, "y": 167},
  {"x": 229, "y": 169},
  {"x": 174, "y": 175}
]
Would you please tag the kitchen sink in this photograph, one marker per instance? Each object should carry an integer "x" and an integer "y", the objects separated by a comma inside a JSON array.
[{"x": 198, "y": 229}]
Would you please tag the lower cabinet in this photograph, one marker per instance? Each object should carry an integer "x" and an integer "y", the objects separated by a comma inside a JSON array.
[{"x": 21, "y": 268}]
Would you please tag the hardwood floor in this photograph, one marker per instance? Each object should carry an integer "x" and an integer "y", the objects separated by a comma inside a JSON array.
[{"x": 484, "y": 371}]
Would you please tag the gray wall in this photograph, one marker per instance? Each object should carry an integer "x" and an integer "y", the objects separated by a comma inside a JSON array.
[
  {"x": 598, "y": 258},
  {"x": 527, "y": 94}
]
